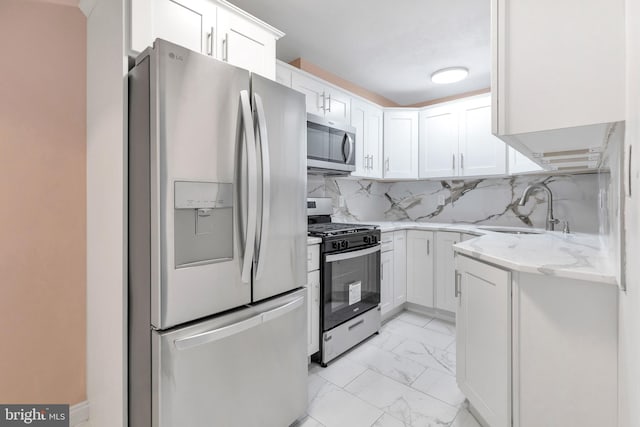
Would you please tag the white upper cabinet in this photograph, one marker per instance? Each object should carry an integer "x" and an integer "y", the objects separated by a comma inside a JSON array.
[
  {"x": 367, "y": 119},
  {"x": 188, "y": 23},
  {"x": 456, "y": 140},
  {"x": 438, "y": 142},
  {"x": 558, "y": 73},
  {"x": 322, "y": 99},
  {"x": 400, "y": 144},
  {"x": 481, "y": 153},
  {"x": 245, "y": 44},
  {"x": 213, "y": 27}
]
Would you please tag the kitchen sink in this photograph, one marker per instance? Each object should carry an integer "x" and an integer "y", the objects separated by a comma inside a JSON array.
[{"x": 510, "y": 230}]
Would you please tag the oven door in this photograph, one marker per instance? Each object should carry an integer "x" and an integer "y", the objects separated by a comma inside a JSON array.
[{"x": 351, "y": 284}]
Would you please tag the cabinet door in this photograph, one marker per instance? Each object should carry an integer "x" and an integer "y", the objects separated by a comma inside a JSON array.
[
  {"x": 399, "y": 268},
  {"x": 337, "y": 105},
  {"x": 245, "y": 44},
  {"x": 386, "y": 281},
  {"x": 445, "y": 270},
  {"x": 481, "y": 153},
  {"x": 373, "y": 147},
  {"x": 313, "y": 90},
  {"x": 438, "y": 142},
  {"x": 483, "y": 339},
  {"x": 359, "y": 112},
  {"x": 313, "y": 312},
  {"x": 420, "y": 267},
  {"x": 188, "y": 23},
  {"x": 519, "y": 163},
  {"x": 400, "y": 144}
]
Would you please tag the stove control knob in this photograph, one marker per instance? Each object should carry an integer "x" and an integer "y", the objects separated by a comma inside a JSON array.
[
  {"x": 335, "y": 245},
  {"x": 374, "y": 239},
  {"x": 344, "y": 244},
  {"x": 367, "y": 239}
]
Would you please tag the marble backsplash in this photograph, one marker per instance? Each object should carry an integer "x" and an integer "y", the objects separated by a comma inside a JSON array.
[{"x": 490, "y": 201}]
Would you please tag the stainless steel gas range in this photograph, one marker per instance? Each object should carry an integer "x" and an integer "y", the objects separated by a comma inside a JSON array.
[{"x": 349, "y": 280}]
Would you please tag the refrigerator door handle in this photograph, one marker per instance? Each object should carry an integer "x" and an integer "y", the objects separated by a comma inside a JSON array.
[
  {"x": 252, "y": 190},
  {"x": 266, "y": 185},
  {"x": 282, "y": 310},
  {"x": 217, "y": 334}
]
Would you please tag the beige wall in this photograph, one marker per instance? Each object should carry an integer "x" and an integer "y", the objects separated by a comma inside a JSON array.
[{"x": 43, "y": 203}]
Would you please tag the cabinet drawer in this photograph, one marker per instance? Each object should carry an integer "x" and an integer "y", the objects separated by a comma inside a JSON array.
[
  {"x": 386, "y": 240},
  {"x": 313, "y": 257}
]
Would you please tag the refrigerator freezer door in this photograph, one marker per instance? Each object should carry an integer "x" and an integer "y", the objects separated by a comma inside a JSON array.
[
  {"x": 247, "y": 368},
  {"x": 281, "y": 123},
  {"x": 197, "y": 123}
]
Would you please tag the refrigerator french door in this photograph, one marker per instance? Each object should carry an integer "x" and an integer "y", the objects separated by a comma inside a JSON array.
[{"x": 217, "y": 224}]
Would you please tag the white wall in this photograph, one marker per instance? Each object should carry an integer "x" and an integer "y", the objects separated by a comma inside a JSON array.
[
  {"x": 106, "y": 209},
  {"x": 630, "y": 301}
]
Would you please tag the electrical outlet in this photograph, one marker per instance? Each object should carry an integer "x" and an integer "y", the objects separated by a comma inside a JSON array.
[{"x": 441, "y": 200}]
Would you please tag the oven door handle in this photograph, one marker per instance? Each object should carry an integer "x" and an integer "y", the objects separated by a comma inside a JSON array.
[{"x": 353, "y": 254}]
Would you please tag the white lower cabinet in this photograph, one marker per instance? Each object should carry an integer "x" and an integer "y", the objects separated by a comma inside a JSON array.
[
  {"x": 313, "y": 299},
  {"x": 535, "y": 350},
  {"x": 420, "y": 262},
  {"x": 483, "y": 339},
  {"x": 445, "y": 298},
  {"x": 393, "y": 271},
  {"x": 386, "y": 282}
]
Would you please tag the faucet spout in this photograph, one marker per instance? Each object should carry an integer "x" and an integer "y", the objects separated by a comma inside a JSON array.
[{"x": 551, "y": 221}]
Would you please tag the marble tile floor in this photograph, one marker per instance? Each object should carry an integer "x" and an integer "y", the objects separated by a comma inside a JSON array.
[{"x": 405, "y": 376}]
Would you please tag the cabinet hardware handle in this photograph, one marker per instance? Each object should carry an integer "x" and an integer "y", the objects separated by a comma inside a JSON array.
[
  {"x": 453, "y": 162},
  {"x": 210, "y": 43},
  {"x": 329, "y": 110},
  {"x": 428, "y": 246},
  {"x": 382, "y": 272},
  {"x": 324, "y": 102},
  {"x": 387, "y": 164},
  {"x": 461, "y": 160},
  {"x": 457, "y": 285},
  {"x": 225, "y": 47},
  {"x": 371, "y": 160}
]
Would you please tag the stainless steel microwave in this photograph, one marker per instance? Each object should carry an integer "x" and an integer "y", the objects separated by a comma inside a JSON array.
[{"x": 331, "y": 146}]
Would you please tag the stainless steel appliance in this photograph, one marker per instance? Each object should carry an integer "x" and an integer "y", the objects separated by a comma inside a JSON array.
[
  {"x": 331, "y": 146},
  {"x": 349, "y": 280},
  {"x": 217, "y": 243}
]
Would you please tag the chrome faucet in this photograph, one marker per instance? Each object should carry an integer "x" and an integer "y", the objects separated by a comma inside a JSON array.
[{"x": 551, "y": 221}]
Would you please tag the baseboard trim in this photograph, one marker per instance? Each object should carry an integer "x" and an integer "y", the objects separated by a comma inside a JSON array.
[{"x": 78, "y": 413}]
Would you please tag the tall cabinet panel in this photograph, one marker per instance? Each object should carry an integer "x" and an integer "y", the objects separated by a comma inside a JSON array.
[{"x": 400, "y": 144}]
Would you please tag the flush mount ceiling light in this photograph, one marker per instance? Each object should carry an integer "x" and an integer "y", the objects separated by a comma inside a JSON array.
[{"x": 449, "y": 75}]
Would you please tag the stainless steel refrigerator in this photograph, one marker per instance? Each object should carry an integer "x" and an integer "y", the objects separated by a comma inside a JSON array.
[{"x": 217, "y": 244}]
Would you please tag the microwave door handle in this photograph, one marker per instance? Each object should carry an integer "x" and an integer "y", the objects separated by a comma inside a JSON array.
[
  {"x": 252, "y": 184},
  {"x": 266, "y": 185},
  {"x": 353, "y": 254},
  {"x": 348, "y": 142}
]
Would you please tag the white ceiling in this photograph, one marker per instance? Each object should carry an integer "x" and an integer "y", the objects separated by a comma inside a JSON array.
[{"x": 388, "y": 47}]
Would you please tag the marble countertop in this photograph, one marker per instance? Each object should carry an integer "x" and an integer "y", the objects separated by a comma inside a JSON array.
[{"x": 576, "y": 256}]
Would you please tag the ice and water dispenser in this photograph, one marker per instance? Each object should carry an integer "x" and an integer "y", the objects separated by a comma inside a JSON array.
[{"x": 203, "y": 222}]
